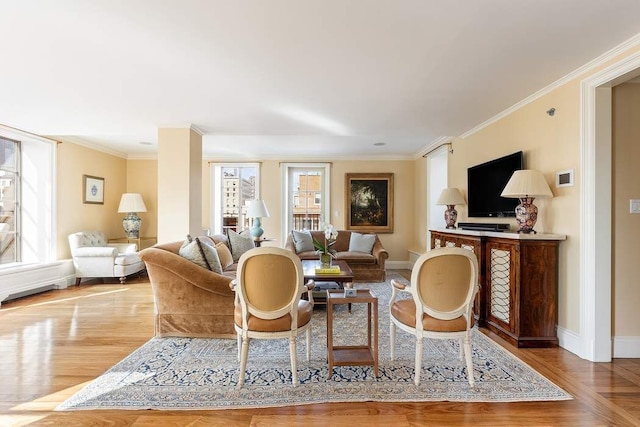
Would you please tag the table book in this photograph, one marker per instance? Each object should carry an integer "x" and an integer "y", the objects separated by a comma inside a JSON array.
[{"x": 334, "y": 269}]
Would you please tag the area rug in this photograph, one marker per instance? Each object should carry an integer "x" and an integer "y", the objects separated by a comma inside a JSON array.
[{"x": 196, "y": 373}]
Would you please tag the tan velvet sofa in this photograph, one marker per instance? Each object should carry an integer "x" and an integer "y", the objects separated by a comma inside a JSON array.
[
  {"x": 190, "y": 301},
  {"x": 366, "y": 267}
]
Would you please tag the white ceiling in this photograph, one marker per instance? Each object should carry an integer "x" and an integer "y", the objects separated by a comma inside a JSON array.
[{"x": 288, "y": 78}]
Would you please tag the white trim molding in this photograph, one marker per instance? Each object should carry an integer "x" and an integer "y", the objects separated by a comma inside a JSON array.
[
  {"x": 595, "y": 224},
  {"x": 626, "y": 347},
  {"x": 591, "y": 65}
]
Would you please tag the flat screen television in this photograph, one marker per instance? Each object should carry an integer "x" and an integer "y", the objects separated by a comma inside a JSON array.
[{"x": 486, "y": 181}]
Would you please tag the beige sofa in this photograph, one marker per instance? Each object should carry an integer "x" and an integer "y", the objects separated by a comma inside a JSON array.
[
  {"x": 366, "y": 267},
  {"x": 190, "y": 301}
]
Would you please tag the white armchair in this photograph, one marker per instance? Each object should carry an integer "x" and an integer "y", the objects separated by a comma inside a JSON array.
[{"x": 94, "y": 257}]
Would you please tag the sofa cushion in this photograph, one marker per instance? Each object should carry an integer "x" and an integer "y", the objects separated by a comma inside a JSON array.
[
  {"x": 202, "y": 254},
  {"x": 224, "y": 254},
  {"x": 356, "y": 257},
  {"x": 239, "y": 244},
  {"x": 302, "y": 241},
  {"x": 361, "y": 242}
]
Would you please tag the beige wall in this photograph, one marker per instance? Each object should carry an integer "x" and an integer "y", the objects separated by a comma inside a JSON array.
[
  {"x": 142, "y": 177},
  {"x": 74, "y": 161},
  {"x": 626, "y": 226},
  {"x": 550, "y": 144},
  {"x": 397, "y": 243}
]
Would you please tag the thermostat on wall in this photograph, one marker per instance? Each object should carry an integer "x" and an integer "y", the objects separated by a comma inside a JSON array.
[{"x": 564, "y": 178}]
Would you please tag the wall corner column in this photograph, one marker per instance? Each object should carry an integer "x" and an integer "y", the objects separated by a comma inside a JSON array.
[{"x": 179, "y": 183}]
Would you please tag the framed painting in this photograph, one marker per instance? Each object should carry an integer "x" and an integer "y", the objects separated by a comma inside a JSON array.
[
  {"x": 92, "y": 190},
  {"x": 369, "y": 202}
]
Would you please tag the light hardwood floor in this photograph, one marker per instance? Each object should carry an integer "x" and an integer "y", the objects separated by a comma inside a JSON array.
[{"x": 53, "y": 343}]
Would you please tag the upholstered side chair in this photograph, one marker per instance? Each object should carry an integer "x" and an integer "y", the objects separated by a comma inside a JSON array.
[
  {"x": 268, "y": 304},
  {"x": 444, "y": 283},
  {"x": 94, "y": 257}
]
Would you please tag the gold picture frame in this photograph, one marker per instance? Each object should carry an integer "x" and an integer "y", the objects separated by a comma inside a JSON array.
[
  {"x": 369, "y": 202},
  {"x": 92, "y": 190}
]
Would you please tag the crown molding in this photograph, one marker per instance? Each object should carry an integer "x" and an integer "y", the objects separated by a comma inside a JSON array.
[
  {"x": 631, "y": 43},
  {"x": 19, "y": 134},
  {"x": 92, "y": 146}
]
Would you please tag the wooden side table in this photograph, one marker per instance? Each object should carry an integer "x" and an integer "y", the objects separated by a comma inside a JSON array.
[{"x": 353, "y": 355}]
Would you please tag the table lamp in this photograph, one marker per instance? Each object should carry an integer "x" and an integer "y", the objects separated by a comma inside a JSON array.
[
  {"x": 526, "y": 185},
  {"x": 257, "y": 209},
  {"x": 132, "y": 203},
  {"x": 450, "y": 197}
]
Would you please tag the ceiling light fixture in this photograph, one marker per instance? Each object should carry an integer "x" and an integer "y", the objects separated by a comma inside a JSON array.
[{"x": 380, "y": 144}]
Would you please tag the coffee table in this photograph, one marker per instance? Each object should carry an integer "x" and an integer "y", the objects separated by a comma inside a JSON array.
[
  {"x": 353, "y": 355},
  {"x": 345, "y": 277}
]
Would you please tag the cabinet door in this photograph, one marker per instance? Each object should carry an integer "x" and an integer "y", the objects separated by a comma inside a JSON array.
[
  {"x": 501, "y": 285},
  {"x": 474, "y": 244}
]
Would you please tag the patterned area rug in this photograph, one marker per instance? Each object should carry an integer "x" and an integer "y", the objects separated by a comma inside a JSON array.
[{"x": 191, "y": 373}]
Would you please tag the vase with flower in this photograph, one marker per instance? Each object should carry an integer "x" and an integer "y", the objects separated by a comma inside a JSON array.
[{"x": 325, "y": 251}]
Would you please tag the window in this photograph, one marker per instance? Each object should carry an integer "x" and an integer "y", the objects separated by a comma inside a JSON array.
[
  {"x": 9, "y": 190},
  {"x": 307, "y": 190},
  {"x": 234, "y": 185},
  {"x": 27, "y": 208}
]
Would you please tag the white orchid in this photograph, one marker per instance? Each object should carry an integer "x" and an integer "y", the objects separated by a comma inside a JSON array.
[{"x": 330, "y": 236}]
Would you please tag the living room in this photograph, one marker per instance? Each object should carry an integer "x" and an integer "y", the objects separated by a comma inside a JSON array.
[{"x": 597, "y": 295}]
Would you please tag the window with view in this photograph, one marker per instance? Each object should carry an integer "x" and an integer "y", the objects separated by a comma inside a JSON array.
[
  {"x": 234, "y": 185},
  {"x": 9, "y": 214},
  {"x": 307, "y": 189}
]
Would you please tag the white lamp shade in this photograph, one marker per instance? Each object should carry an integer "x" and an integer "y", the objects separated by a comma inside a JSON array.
[
  {"x": 132, "y": 202},
  {"x": 526, "y": 183},
  {"x": 257, "y": 209},
  {"x": 450, "y": 196}
]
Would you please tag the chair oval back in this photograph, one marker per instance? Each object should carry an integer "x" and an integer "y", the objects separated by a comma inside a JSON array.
[
  {"x": 270, "y": 281},
  {"x": 445, "y": 281}
]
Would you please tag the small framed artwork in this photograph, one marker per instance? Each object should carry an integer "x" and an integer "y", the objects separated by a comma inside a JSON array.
[
  {"x": 369, "y": 202},
  {"x": 92, "y": 190}
]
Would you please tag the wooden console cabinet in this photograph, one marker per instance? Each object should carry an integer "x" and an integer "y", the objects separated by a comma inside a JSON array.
[{"x": 518, "y": 277}]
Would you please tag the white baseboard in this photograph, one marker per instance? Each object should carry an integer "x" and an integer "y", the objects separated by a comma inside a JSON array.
[
  {"x": 626, "y": 347},
  {"x": 569, "y": 340}
]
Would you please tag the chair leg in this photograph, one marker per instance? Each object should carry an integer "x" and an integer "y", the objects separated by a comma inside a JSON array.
[
  {"x": 309, "y": 344},
  {"x": 123, "y": 279},
  {"x": 78, "y": 279},
  {"x": 392, "y": 338},
  {"x": 239, "y": 344},
  {"x": 418, "y": 360},
  {"x": 243, "y": 360},
  {"x": 467, "y": 354},
  {"x": 294, "y": 361}
]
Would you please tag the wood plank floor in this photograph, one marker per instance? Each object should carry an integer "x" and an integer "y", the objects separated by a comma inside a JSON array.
[{"x": 52, "y": 344}]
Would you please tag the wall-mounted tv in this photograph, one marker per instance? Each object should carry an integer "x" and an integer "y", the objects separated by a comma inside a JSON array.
[{"x": 486, "y": 181}]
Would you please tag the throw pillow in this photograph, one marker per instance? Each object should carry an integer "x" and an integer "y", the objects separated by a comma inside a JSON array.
[
  {"x": 201, "y": 254},
  {"x": 361, "y": 242},
  {"x": 302, "y": 241},
  {"x": 239, "y": 244},
  {"x": 226, "y": 259}
]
